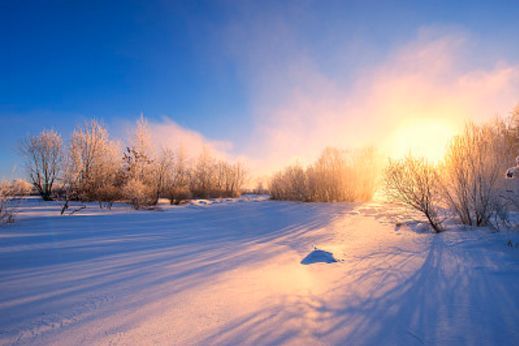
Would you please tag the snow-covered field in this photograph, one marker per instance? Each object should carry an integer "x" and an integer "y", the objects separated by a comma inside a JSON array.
[{"x": 232, "y": 273}]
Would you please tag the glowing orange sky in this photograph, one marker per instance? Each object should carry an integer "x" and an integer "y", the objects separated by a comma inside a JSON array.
[{"x": 414, "y": 101}]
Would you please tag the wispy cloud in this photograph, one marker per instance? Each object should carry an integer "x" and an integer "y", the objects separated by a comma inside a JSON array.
[
  {"x": 168, "y": 134},
  {"x": 428, "y": 87},
  {"x": 434, "y": 78}
]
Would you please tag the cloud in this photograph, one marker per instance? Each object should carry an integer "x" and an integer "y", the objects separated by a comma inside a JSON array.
[
  {"x": 415, "y": 96},
  {"x": 168, "y": 134},
  {"x": 430, "y": 80}
]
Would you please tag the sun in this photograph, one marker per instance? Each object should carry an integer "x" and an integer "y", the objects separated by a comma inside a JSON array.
[{"x": 427, "y": 138}]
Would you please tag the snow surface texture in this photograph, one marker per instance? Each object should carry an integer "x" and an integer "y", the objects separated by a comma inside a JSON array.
[{"x": 229, "y": 273}]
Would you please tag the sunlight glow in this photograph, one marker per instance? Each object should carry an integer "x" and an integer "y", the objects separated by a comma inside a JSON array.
[{"x": 426, "y": 138}]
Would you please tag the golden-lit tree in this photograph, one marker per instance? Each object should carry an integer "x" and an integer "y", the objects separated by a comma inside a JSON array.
[
  {"x": 178, "y": 187},
  {"x": 93, "y": 163},
  {"x": 336, "y": 176},
  {"x": 415, "y": 183},
  {"x": 473, "y": 173},
  {"x": 7, "y": 209},
  {"x": 140, "y": 187}
]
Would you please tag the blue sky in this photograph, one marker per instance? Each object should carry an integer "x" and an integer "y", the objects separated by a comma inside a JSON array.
[{"x": 211, "y": 66}]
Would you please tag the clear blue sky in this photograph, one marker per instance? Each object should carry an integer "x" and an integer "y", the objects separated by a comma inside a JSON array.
[{"x": 65, "y": 61}]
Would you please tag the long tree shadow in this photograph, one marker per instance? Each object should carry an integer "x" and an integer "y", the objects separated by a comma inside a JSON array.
[
  {"x": 445, "y": 300},
  {"x": 52, "y": 264}
]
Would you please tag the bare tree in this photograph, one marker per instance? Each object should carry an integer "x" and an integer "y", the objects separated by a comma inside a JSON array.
[
  {"x": 162, "y": 172},
  {"x": 43, "y": 155},
  {"x": 239, "y": 175},
  {"x": 290, "y": 184},
  {"x": 415, "y": 183},
  {"x": 229, "y": 179}
]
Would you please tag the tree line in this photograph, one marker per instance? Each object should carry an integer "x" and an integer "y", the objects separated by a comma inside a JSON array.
[
  {"x": 337, "y": 176},
  {"x": 469, "y": 182},
  {"x": 94, "y": 167}
]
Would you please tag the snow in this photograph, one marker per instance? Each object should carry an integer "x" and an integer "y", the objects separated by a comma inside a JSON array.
[
  {"x": 319, "y": 256},
  {"x": 229, "y": 272}
]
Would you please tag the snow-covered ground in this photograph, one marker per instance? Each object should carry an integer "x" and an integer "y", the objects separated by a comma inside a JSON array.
[{"x": 231, "y": 273}]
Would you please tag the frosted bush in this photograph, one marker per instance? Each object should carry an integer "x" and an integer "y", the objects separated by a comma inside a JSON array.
[
  {"x": 7, "y": 209},
  {"x": 473, "y": 174},
  {"x": 138, "y": 194},
  {"x": 336, "y": 176}
]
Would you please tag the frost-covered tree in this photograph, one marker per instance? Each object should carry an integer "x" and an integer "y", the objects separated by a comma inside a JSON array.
[
  {"x": 7, "y": 209},
  {"x": 43, "y": 155},
  {"x": 203, "y": 175},
  {"x": 216, "y": 178},
  {"x": 229, "y": 179},
  {"x": 178, "y": 188},
  {"x": 139, "y": 168},
  {"x": 337, "y": 175},
  {"x": 473, "y": 173},
  {"x": 290, "y": 184},
  {"x": 239, "y": 176},
  {"x": 93, "y": 162},
  {"x": 138, "y": 194},
  {"x": 139, "y": 155},
  {"x": 21, "y": 187},
  {"x": 162, "y": 172},
  {"x": 416, "y": 184},
  {"x": 328, "y": 177}
]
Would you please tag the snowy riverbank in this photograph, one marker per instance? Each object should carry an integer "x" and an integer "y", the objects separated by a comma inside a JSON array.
[{"x": 231, "y": 273}]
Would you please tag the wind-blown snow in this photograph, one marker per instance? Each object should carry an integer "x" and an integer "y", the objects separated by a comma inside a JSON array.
[{"x": 230, "y": 273}]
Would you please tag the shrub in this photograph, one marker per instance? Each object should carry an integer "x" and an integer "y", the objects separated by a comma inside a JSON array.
[
  {"x": 290, "y": 184},
  {"x": 415, "y": 183},
  {"x": 7, "y": 209},
  {"x": 473, "y": 174},
  {"x": 178, "y": 194},
  {"x": 107, "y": 194},
  {"x": 138, "y": 194},
  {"x": 21, "y": 187},
  {"x": 336, "y": 176}
]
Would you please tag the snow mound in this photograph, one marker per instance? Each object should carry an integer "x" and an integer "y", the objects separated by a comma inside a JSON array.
[{"x": 317, "y": 256}]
